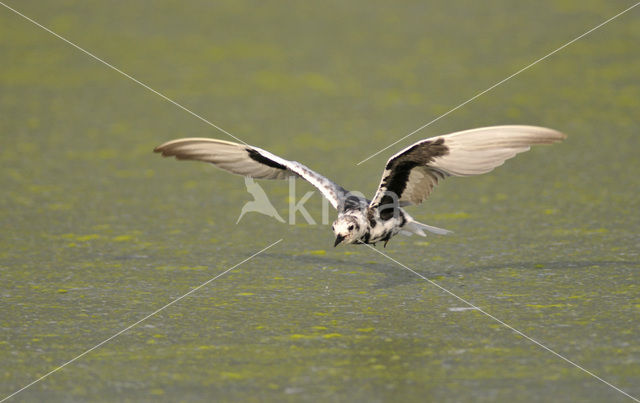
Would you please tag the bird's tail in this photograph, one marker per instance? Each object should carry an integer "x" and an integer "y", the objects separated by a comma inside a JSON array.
[{"x": 415, "y": 227}]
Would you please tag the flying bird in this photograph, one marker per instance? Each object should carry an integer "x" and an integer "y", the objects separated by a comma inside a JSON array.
[{"x": 408, "y": 177}]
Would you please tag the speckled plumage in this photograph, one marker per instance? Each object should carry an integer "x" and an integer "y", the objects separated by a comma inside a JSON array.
[{"x": 408, "y": 178}]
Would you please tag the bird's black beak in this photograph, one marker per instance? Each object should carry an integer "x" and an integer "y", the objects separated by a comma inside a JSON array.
[{"x": 339, "y": 239}]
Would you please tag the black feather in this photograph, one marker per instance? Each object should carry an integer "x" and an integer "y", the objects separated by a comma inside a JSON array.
[{"x": 256, "y": 156}]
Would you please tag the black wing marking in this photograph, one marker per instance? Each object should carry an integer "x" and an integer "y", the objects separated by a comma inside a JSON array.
[{"x": 409, "y": 170}]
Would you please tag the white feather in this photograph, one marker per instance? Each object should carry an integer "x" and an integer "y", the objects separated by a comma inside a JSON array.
[
  {"x": 470, "y": 152},
  {"x": 234, "y": 157},
  {"x": 478, "y": 151}
]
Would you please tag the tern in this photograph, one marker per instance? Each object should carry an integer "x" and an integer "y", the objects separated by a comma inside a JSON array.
[{"x": 408, "y": 177}]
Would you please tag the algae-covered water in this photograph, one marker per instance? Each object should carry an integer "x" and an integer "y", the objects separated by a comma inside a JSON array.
[{"x": 98, "y": 232}]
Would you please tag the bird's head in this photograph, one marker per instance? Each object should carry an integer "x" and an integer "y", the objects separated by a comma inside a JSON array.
[{"x": 348, "y": 229}]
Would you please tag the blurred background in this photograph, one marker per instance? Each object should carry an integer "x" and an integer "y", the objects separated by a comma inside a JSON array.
[{"x": 98, "y": 232}]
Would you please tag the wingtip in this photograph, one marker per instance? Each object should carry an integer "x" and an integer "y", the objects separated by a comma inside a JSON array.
[
  {"x": 547, "y": 134},
  {"x": 161, "y": 148},
  {"x": 168, "y": 147},
  {"x": 163, "y": 152},
  {"x": 555, "y": 136}
]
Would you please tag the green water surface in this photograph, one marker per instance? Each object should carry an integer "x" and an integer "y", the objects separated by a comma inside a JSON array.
[{"x": 98, "y": 232}]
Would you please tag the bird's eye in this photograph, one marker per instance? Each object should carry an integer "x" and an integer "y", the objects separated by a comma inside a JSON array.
[{"x": 350, "y": 227}]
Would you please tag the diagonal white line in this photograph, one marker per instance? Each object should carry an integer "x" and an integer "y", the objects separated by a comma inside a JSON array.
[
  {"x": 121, "y": 72},
  {"x": 500, "y": 82},
  {"x": 504, "y": 324},
  {"x": 141, "y": 320}
]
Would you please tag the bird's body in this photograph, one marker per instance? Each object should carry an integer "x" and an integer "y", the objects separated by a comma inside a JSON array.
[
  {"x": 408, "y": 178},
  {"x": 368, "y": 225}
]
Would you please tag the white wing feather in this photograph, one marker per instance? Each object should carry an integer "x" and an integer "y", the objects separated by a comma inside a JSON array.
[
  {"x": 469, "y": 152},
  {"x": 478, "y": 151},
  {"x": 237, "y": 158}
]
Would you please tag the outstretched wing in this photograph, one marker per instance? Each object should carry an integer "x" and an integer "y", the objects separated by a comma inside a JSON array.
[
  {"x": 249, "y": 161},
  {"x": 410, "y": 175}
]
